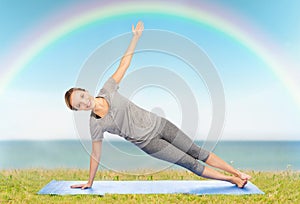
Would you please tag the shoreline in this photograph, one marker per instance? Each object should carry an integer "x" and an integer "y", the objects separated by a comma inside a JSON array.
[{"x": 264, "y": 156}]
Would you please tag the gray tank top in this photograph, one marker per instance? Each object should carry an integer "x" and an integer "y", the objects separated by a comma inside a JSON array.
[{"x": 124, "y": 118}]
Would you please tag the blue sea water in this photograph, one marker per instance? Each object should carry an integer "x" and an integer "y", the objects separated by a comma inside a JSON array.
[{"x": 124, "y": 156}]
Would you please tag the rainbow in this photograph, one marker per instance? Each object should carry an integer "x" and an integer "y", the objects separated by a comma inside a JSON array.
[{"x": 83, "y": 15}]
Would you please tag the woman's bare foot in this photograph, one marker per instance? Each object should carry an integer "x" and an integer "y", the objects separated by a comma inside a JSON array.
[
  {"x": 238, "y": 181},
  {"x": 243, "y": 176}
]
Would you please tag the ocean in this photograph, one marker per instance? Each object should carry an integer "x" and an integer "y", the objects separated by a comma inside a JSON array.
[{"x": 124, "y": 156}]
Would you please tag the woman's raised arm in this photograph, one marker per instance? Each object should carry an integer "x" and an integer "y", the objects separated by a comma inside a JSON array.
[{"x": 126, "y": 59}]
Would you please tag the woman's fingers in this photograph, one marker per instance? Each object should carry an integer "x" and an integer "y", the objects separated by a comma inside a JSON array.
[
  {"x": 139, "y": 26},
  {"x": 77, "y": 186},
  {"x": 85, "y": 186},
  {"x": 82, "y": 186}
]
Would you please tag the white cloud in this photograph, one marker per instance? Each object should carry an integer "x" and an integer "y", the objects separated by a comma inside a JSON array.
[
  {"x": 34, "y": 115},
  {"x": 259, "y": 115},
  {"x": 268, "y": 114}
]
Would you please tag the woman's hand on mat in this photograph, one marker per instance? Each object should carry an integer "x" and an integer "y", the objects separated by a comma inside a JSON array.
[
  {"x": 82, "y": 186},
  {"x": 138, "y": 30}
]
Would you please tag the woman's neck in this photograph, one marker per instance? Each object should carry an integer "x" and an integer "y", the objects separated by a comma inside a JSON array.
[{"x": 101, "y": 107}]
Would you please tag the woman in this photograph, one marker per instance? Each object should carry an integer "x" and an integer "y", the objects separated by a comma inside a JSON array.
[{"x": 157, "y": 136}]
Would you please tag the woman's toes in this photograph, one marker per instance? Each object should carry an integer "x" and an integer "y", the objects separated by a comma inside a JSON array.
[{"x": 244, "y": 176}]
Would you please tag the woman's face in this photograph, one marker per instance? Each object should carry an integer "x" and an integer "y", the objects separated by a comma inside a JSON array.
[{"x": 82, "y": 100}]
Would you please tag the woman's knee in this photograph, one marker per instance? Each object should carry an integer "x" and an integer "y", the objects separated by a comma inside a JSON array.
[
  {"x": 192, "y": 165},
  {"x": 204, "y": 155}
]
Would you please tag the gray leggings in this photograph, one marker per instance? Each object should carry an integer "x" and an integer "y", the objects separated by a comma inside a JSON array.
[{"x": 173, "y": 145}]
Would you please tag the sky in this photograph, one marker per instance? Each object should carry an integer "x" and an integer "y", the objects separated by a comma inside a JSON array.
[{"x": 259, "y": 104}]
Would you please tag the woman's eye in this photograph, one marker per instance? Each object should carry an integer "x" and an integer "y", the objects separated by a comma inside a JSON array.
[{"x": 81, "y": 95}]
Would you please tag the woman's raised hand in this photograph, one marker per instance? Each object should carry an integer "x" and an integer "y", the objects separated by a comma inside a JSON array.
[{"x": 138, "y": 30}]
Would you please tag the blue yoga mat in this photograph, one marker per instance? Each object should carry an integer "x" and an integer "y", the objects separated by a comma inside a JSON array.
[{"x": 150, "y": 187}]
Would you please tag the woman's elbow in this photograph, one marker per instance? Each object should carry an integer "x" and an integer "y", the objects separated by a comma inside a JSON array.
[
  {"x": 96, "y": 149},
  {"x": 96, "y": 156}
]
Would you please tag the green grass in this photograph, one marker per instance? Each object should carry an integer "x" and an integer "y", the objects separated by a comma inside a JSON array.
[{"x": 21, "y": 186}]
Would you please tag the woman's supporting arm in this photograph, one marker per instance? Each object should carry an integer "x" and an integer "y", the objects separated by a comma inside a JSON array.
[
  {"x": 94, "y": 163},
  {"x": 94, "y": 160},
  {"x": 126, "y": 59}
]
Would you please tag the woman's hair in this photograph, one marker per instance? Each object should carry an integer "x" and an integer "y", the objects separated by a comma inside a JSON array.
[{"x": 68, "y": 97}]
